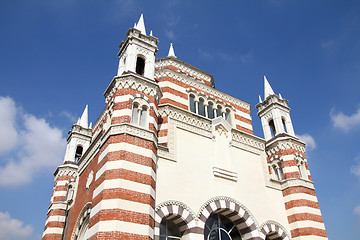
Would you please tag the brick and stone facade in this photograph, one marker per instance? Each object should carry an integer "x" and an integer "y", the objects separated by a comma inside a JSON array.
[{"x": 171, "y": 156}]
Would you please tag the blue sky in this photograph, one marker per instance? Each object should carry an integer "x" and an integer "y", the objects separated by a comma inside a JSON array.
[{"x": 58, "y": 56}]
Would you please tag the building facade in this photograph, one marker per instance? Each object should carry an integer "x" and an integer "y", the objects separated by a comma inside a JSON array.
[{"x": 171, "y": 157}]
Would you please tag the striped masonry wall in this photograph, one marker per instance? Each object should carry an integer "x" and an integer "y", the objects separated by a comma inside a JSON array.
[{"x": 123, "y": 200}]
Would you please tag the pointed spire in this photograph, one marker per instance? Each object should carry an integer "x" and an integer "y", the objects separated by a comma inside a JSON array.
[
  {"x": 280, "y": 96},
  {"x": 260, "y": 100},
  {"x": 84, "y": 118},
  {"x": 267, "y": 88},
  {"x": 151, "y": 33},
  {"x": 171, "y": 51},
  {"x": 141, "y": 25}
]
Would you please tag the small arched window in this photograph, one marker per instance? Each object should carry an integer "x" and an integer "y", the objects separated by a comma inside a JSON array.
[
  {"x": 228, "y": 115},
  {"x": 272, "y": 127},
  {"x": 169, "y": 230},
  {"x": 219, "y": 111},
  {"x": 140, "y": 65},
  {"x": 140, "y": 114},
  {"x": 210, "y": 109},
  {"x": 201, "y": 110},
  {"x": 219, "y": 227},
  {"x": 192, "y": 103},
  {"x": 284, "y": 124},
  {"x": 78, "y": 153}
]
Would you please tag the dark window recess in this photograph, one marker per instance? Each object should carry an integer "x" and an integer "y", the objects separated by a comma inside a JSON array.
[
  {"x": 78, "y": 153},
  {"x": 140, "y": 66},
  {"x": 272, "y": 126}
]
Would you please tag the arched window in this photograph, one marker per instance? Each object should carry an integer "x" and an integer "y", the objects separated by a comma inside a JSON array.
[
  {"x": 278, "y": 171},
  {"x": 284, "y": 124},
  {"x": 192, "y": 103},
  {"x": 272, "y": 126},
  {"x": 219, "y": 111},
  {"x": 169, "y": 230},
  {"x": 140, "y": 65},
  {"x": 69, "y": 193},
  {"x": 139, "y": 114},
  {"x": 302, "y": 169},
  {"x": 78, "y": 153},
  {"x": 228, "y": 115},
  {"x": 83, "y": 230},
  {"x": 210, "y": 109},
  {"x": 201, "y": 110},
  {"x": 219, "y": 227}
]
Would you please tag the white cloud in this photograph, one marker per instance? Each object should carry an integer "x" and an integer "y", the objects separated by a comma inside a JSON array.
[
  {"x": 13, "y": 229},
  {"x": 355, "y": 169},
  {"x": 40, "y": 147},
  {"x": 68, "y": 116},
  {"x": 309, "y": 140},
  {"x": 204, "y": 55},
  {"x": 170, "y": 34},
  {"x": 345, "y": 122},
  {"x": 8, "y": 134},
  {"x": 357, "y": 210}
]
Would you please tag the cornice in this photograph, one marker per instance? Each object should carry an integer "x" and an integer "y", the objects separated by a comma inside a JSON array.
[
  {"x": 135, "y": 81},
  {"x": 283, "y": 142}
]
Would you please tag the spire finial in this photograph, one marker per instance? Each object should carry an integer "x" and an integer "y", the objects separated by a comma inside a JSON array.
[
  {"x": 280, "y": 96},
  {"x": 267, "y": 88},
  {"x": 171, "y": 51},
  {"x": 141, "y": 25},
  {"x": 260, "y": 100},
  {"x": 84, "y": 118}
]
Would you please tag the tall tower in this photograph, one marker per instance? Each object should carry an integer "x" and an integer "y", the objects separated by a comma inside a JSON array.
[
  {"x": 65, "y": 177},
  {"x": 288, "y": 166}
]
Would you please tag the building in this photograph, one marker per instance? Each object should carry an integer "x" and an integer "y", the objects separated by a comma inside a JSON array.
[{"x": 171, "y": 157}]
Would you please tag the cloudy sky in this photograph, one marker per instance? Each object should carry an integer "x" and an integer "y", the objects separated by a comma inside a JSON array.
[{"x": 58, "y": 56}]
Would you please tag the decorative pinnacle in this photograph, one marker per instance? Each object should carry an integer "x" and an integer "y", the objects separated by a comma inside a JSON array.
[
  {"x": 267, "y": 88},
  {"x": 171, "y": 51},
  {"x": 83, "y": 121},
  {"x": 141, "y": 25},
  {"x": 260, "y": 100}
]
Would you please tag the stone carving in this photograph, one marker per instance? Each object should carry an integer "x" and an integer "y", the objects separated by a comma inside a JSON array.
[{"x": 89, "y": 179}]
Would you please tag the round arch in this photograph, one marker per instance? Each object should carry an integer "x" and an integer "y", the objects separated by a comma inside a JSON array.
[
  {"x": 243, "y": 219},
  {"x": 274, "y": 231},
  {"x": 82, "y": 220}
]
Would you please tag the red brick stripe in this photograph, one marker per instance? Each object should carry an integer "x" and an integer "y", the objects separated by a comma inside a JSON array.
[
  {"x": 292, "y": 190},
  {"x": 301, "y": 203},
  {"x": 174, "y": 92},
  {"x": 308, "y": 231},
  {"x": 305, "y": 216},
  {"x": 118, "y": 235}
]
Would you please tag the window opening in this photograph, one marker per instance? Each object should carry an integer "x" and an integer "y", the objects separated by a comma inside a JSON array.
[
  {"x": 219, "y": 111},
  {"x": 272, "y": 126},
  {"x": 219, "y": 227},
  {"x": 192, "y": 104},
  {"x": 228, "y": 116},
  {"x": 78, "y": 153},
  {"x": 139, "y": 115},
  {"x": 143, "y": 115},
  {"x": 201, "y": 110},
  {"x": 283, "y": 122},
  {"x": 210, "y": 109},
  {"x": 140, "y": 65},
  {"x": 169, "y": 230},
  {"x": 135, "y": 113}
]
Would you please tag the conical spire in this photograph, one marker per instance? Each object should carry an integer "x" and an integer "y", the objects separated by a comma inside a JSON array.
[
  {"x": 84, "y": 118},
  {"x": 260, "y": 100},
  {"x": 267, "y": 88},
  {"x": 280, "y": 96},
  {"x": 141, "y": 25},
  {"x": 171, "y": 51}
]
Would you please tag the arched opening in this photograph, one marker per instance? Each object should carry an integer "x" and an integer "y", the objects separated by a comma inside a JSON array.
[
  {"x": 170, "y": 227},
  {"x": 284, "y": 125},
  {"x": 201, "y": 107},
  {"x": 140, "y": 65},
  {"x": 272, "y": 127},
  {"x": 219, "y": 227},
  {"x": 210, "y": 109},
  {"x": 219, "y": 111},
  {"x": 192, "y": 103},
  {"x": 83, "y": 230},
  {"x": 143, "y": 116},
  {"x": 228, "y": 115},
  {"x": 78, "y": 153}
]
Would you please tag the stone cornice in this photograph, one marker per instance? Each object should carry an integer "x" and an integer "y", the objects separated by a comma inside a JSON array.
[
  {"x": 270, "y": 102},
  {"x": 199, "y": 85},
  {"x": 283, "y": 142},
  {"x": 123, "y": 128},
  {"x": 252, "y": 142},
  {"x": 135, "y": 81},
  {"x": 68, "y": 169},
  {"x": 297, "y": 182}
]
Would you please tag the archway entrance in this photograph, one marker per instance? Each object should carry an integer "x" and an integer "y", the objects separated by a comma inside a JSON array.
[{"x": 219, "y": 227}]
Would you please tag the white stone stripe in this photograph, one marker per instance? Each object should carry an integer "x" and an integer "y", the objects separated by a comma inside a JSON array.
[
  {"x": 55, "y": 219},
  {"x": 303, "y": 209},
  {"x": 61, "y": 182},
  {"x": 53, "y": 231},
  {"x": 59, "y": 194},
  {"x": 123, "y": 98},
  {"x": 127, "y": 147},
  {"x": 58, "y": 206},
  {"x": 122, "y": 204},
  {"x": 114, "y": 225},
  {"x": 290, "y": 169},
  {"x": 172, "y": 86},
  {"x": 300, "y": 196},
  {"x": 162, "y": 139},
  {"x": 122, "y": 112},
  {"x": 288, "y": 157},
  {"x": 243, "y": 124},
  {"x": 122, "y": 164},
  {"x": 175, "y": 98},
  {"x": 311, "y": 237},
  {"x": 307, "y": 223},
  {"x": 125, "y": 184},
  {"x": 243, "y": 114}
]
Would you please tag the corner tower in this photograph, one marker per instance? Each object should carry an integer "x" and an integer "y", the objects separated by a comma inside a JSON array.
[{"x": 288, "y": 168}]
